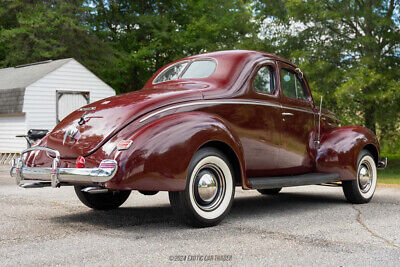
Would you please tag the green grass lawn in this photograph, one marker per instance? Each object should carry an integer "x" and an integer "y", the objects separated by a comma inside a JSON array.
[{"x": 390, "y": 175}]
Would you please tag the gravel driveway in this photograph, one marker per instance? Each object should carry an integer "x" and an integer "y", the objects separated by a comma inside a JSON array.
[{"x": 310, "y": 225}]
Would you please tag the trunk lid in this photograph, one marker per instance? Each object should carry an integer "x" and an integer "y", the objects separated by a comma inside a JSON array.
[{"x": 104, "y": 118}]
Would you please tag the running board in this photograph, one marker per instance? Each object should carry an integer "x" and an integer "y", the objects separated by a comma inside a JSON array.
[{"x": 295, "y": 180}]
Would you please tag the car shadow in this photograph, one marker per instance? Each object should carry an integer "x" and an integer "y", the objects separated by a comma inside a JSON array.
[{"x": 282, "y": 204}]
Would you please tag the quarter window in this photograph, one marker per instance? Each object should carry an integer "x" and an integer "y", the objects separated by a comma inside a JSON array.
[
  {"x": 264, "y": 82},
  {"x": 292, "y": 86}
]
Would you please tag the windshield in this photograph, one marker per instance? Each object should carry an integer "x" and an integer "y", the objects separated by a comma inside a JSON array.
[{"x": 197, "y": 69}]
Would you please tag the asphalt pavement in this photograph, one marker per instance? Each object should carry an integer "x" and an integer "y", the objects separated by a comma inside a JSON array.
[{"x": 311, "y": 225}]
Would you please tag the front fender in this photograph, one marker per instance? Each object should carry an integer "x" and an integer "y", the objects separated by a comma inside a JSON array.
[
  {"x": 339, "y": 149},
  {"x": 161, "y": 151}
]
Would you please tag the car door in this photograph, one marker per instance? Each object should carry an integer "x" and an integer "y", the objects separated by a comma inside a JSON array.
[
  {"x": 298, "y": 123},
  {"x": 262, "y": 145}
]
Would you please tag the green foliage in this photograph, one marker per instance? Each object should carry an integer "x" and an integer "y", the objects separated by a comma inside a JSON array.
[
  {"x": 151, "y": 34},
  {"x": 32, "y": 31},
  {"x": 391, "y": 174},
  {"x": 350, "y": 51}
]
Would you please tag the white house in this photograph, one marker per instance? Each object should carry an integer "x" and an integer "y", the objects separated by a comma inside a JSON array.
[{"x": 39, "y": 95}]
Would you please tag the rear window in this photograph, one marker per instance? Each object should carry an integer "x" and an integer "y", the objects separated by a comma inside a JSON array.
[
  {"x": 196, "y": 69},
  {"x": 200, "y": 69},
  {"x": 171, "y": 73}
]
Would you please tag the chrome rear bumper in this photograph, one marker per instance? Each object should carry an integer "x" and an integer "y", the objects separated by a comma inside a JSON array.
[{"x": 54, "y": 176}]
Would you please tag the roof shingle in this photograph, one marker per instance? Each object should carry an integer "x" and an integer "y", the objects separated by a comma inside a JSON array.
[{"x": 13, "y": 82}]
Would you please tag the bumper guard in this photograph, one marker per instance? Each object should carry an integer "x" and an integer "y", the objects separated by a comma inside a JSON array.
[{"x": 382, "y": 163}]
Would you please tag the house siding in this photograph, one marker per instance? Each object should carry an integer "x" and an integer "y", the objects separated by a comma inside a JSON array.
[
  {"x": 40, "y": 97},
  {"x": 9, "y": 128}
]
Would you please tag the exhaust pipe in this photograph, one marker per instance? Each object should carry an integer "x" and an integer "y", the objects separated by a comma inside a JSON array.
[
  {"x": 89, "y": 190},
  {"x": 95, "y": 190}
]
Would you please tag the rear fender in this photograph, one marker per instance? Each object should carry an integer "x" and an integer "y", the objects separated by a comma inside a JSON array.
[
  {"x": 339, "y": 149},
  {"x": 161, "y": 151}
]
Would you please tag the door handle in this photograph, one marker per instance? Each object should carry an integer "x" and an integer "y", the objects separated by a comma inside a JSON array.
[{"x": 287, "y": 114}]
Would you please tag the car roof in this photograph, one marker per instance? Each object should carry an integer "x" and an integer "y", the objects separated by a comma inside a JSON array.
[
  {"x": 227, "y": 53},
  {"x": 230, "y": 64}
]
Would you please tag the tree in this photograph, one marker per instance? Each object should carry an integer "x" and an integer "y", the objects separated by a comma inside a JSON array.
[
  {"x": 33, "y": 31},
  {"x": 151, "y": 34},
  {"x": 350, "y": 51}
]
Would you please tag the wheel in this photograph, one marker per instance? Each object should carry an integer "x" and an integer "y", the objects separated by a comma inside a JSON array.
[
  {"x": 363, "y": 188},
  {"x": 272, "y": 191},
  {"x": 209, "y": 191},
  {"x": 102, "y": 201}
]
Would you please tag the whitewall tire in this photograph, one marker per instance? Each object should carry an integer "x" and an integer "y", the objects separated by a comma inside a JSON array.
[
  {"x": 209, "y": 191},
  {"x": 363, "y": 188}
]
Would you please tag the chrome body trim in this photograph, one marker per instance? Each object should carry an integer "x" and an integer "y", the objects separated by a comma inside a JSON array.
[
  {"x": 240, "y": 102},
  {"x": 237, "y": 102},
  {"x": 87, "y": 109},
  {"x": 299, "y": 109},
  {"x": 209, "y": 102},
  {"x": 56, "y": 175}
]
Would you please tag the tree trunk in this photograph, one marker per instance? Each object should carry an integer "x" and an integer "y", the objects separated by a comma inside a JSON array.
[{"x": 369, "y": 116}]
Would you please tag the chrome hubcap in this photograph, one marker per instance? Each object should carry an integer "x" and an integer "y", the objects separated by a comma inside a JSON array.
[
  {"x": 209, "y": 187},
  {"x": 365, "y": 176}
]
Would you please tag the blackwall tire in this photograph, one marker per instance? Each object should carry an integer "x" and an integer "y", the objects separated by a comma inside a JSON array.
[
  {"x": 102, "y": 201},
  {"x": 209, "y": 192},
  {"x": 362, "y": 189}
]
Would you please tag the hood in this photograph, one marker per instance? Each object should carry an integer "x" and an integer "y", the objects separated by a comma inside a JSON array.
[{"x": 104, "y": 118}]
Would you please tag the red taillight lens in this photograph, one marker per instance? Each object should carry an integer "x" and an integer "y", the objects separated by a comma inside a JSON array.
[{"x": 80, "y": 162}]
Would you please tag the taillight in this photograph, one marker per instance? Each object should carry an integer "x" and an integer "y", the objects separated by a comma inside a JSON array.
[
  {"x": 108, "y": 164},
  {"x": 80, "y": 162},
  {"x": 124, "y": 144}
]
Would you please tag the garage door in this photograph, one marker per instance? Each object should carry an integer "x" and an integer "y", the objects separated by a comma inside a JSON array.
[{"x": 69, "y": 101}]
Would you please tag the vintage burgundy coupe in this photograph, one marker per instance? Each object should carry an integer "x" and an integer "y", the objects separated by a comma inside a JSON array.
[{"x": 199, "y": 127}]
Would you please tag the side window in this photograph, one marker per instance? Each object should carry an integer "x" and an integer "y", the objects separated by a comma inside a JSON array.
[
  {"x": 292, "y": 86},
  {"x": 264, "y": 82}
]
